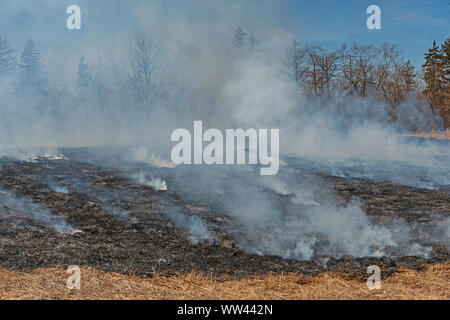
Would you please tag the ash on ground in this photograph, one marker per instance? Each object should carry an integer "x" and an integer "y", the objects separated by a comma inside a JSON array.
[{"x": 96, "y": 214}]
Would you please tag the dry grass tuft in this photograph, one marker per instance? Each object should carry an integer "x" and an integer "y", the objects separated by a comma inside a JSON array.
[
  {"x": 433, "y": 283},
  {"x": 433, "y": 134}
]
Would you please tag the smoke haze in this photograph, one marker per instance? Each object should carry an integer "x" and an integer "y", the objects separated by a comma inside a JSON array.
[{"x": 197, "y": 74}]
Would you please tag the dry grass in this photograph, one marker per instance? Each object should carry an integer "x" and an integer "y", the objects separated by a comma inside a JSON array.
[
  {"x": 433, "y": 283},
  {"x": 433, "y": 134}
]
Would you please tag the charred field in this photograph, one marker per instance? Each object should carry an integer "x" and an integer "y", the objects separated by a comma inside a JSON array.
[
  {"x": 98, "y": 214},
  {"x": 219, "y": 149}
]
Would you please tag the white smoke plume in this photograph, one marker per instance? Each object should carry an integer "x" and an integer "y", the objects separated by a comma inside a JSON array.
[
  {"x": 13, "y": 205},
  {"x": 156, "y": 183},
  {"x": 198, "y": 76}
]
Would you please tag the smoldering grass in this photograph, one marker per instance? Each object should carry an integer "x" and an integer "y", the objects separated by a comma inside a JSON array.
[
  {"x": 58, "y": 189},
  {"x": 143, "y": 178},
  {"x": 25, "y": 207}
]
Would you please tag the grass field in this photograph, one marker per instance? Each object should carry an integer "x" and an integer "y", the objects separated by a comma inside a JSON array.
[{"x": 50, "y": 283}]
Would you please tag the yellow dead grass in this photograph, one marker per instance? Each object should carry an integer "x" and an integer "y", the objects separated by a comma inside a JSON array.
[
  {"x": 433, "y": 283},
  {"x": 432, "y": 134}
]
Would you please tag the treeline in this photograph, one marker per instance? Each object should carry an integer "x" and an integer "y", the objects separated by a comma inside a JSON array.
[
  {"x": 377, "y": 72},
  {"x": 367, "y": 71},
  {"x": 31, "y": 75},
  {"x": 363, "y": 70},
  {"x": 102, "y": 85},
  {"x": 356, "y": 70}
]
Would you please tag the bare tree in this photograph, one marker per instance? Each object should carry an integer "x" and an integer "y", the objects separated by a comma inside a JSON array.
[
  {"x": 312, "y": 67},
  {"x": 144, "y": 64},
  {"x": 357, "y": 67},
  {"x": 403, "y": 82},
  {"x": 383, "y": 70},
  {"x": 295, "y": 60},
  {"x": 326, "y": 67}
]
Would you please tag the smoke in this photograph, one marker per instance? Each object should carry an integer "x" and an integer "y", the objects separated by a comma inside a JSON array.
[
  {"x": 199, "y": 76},
  {"x": 441, "y": 231},
  {"x": 446, "y": 224},
  {"x": 58, "y": 188},
  {"x": 197, "y": 229},
  {"x": 23, "y": 207},
  {"x": 143, "y": 155},
  {"x": 156, "y": 183},
  {"x": 294, "y": 215},
  {"x": 32, "y": 154}
]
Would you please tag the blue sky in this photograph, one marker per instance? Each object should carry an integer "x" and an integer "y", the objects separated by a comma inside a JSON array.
[{"x": 412, "y": 24}]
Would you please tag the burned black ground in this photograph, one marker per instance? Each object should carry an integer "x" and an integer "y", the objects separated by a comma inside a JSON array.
[{"x": 123, "y": 229}]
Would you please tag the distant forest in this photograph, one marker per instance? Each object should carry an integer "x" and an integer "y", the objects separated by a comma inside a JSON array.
[{"x": 379, "y": 73}]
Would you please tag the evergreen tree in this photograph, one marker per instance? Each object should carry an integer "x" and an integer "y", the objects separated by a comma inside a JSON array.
[
  {"x": 84, "y": 77},
  {"x": 253, "y": 42},
  {"x": 433, "y": 74},
  {"x": 7, "y": 58},
  {"x": 408, "y": 76},
  {"x": 31, "y": 73},
  {"x": 239, "y": 40},
  {"x": 436, "y": 76},
  {"x": 445, "y": 61}
]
